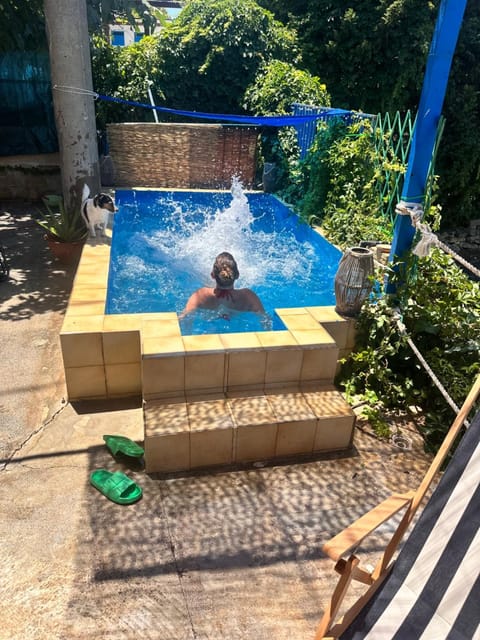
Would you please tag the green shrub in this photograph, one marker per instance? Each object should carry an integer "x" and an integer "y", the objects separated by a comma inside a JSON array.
[
  {"x": 440, "y": 309},
  {"x": 277, "y": 86}
]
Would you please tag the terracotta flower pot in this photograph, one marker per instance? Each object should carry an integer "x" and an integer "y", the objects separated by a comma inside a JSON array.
[{"x": 65, "y": 252}]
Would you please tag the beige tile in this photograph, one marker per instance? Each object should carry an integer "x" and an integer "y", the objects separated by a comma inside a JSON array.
[
  {"x": 166, "y": 346},
  {"x": 88, "y": 294},
  {"x": 161, "y": 328},
  {"x": 276, "y": 339},
  {"x": 121, "y": 347},
  {"x": 295, "y": 437},
  {"x": 250, "y": 408},
  {"x": 319, "y": 364},
  {"x": 240, "y": 341},
  {"x": 296, "y": 422},
  {"x": 203, "y": 344},
  {"x": 326, "y": 402},
  {"x": 212, "y": 444},
  {"x": 336, "y": 326},
  {"x": 334, "y": 433},
  {"x": 283, "y": 365},
  {"x": 255, "y": 442},
  {"x": 163, "y": 375},
  {"x": 289, "y": 405},
  {"x": 294, "y": 311},
  {"x": 85, "y": 309},
  {"x": 314, "y": 337},
  {"x": 92, "y": 278},
  {"x": 325, "y": 314},
  {"x": 168, "y": 453},
  {"x": 81, "y": 349},
  {"x": 208, "y": 411},
  {"x": 167, "y": 436},
  {"x": 122, "y": 322},
  {"x": 83, "y": 324},
  {"x": 300, "y": 322},
  {"x": 123, "y": 379},
  {"x": 246, "y": 368},
  {"x": 166, "y": 417},
  {"x": 85, "y": 382},
  {"x": 205, "y": 371}
]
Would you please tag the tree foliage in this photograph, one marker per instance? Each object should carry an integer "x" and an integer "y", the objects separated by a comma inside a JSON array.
[
  {"x": 372, "y": 57},
  {"x": 214, "y": 49},
  {"x": 124, "y": 72}
]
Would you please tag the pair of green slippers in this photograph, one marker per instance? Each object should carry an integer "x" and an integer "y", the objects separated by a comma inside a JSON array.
[{"x": 116, "y": 486}]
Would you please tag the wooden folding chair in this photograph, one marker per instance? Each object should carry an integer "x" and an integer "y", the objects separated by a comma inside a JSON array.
[{"x": 413, "y": 595}]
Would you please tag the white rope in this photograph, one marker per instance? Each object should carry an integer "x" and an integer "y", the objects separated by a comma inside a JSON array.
[
  {"x": 75, "y": 90},
  {"x": 403, "y": 332},
  {"x": 428, "y": 238}
]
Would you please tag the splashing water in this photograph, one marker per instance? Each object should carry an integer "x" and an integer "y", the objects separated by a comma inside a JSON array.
[{"x": 164, "y": 249}]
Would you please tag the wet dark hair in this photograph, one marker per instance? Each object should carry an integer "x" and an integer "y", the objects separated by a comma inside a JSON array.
[{"x": 225, "y": 270}]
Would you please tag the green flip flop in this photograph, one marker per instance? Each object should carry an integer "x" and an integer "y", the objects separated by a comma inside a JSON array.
[
  {"x": 116, "y": 486},
  {"x": 122, "y": 444}
]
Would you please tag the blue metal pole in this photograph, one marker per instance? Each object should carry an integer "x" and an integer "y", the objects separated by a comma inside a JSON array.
[{"x": 439, "y": 61}]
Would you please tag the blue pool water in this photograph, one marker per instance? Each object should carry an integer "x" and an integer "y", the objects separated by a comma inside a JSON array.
[{"x": 165, "y": 242}]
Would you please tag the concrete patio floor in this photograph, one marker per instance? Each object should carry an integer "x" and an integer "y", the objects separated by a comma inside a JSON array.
[{"x": 230, "y": 554}]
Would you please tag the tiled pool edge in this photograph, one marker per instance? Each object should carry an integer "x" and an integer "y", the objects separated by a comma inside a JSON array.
[{"x": 102, "y": 353}]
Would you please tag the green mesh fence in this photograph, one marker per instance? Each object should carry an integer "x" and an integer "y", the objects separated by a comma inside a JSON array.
[
  {"x": 27, "y": 124},
  {"x": 392, "y": 137}
]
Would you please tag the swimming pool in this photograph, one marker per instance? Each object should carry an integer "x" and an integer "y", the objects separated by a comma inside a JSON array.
[{"x": 164, "y": 244}]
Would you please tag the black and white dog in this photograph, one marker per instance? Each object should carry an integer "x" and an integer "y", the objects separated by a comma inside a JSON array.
[{"x": 95, "y": 210}]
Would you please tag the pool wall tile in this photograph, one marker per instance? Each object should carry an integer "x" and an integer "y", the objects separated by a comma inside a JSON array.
[
  {"x": 123, "y": 379},
  {"x": 319, "y": 364},
  {"x": 246, "y": 368},
  {"x": 205, "y": 371},
  {"x": 85, "y": 382},
  {"x": 161, "y": 376},
  {"x": 283, "y": 365},
  {"x": 121, "y": 347},
  {"x": 163, "y": 347},
  {"x": 82, "y": 349},
  {"x": 161, "y": 328}
]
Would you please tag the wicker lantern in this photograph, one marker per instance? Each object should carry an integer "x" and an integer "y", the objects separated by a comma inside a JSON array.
[{"x": 353, "y": 280}]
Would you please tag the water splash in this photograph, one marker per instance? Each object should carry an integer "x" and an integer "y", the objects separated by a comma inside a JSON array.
[{"x": 195, "y": 245}]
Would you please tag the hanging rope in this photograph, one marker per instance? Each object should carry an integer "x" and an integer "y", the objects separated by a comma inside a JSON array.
[
  {"x": 403, "y": 332},
  {"x": 428, "y": 239}
]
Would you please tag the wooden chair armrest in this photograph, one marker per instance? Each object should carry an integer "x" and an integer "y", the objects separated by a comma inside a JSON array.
[{"x": 353, "y": 535}]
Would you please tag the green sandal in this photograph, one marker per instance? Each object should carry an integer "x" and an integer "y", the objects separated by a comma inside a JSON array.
[
  {"x": 122, "y": 444},
  {"x": 116, "y": 486}
]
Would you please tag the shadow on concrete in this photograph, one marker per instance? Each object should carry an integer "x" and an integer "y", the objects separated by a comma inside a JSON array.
[{"x": 37, "y": 282}]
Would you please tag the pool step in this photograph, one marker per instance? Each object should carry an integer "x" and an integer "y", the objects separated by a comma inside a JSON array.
[{"x": 200, "y": 431}]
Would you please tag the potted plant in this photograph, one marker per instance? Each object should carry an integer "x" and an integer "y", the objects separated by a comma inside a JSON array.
[{"x": 65, "y": 231}]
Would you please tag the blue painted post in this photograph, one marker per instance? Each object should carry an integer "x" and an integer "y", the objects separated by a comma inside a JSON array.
[{"x": 439, "y": 61}]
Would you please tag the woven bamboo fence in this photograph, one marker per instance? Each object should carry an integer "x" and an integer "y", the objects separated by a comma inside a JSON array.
[{"x": 182, "y": 155}]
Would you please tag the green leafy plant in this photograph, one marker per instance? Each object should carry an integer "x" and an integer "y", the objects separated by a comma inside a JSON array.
[
  {"x": 61, "y": 225},
  {"x": 440, "y": 309}
]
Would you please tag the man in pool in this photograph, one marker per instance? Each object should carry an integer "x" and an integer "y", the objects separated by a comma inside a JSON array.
[{"x": 223, "y": 296}]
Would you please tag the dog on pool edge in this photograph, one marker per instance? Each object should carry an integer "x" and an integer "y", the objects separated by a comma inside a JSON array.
[{"x": 95, "y": 210}]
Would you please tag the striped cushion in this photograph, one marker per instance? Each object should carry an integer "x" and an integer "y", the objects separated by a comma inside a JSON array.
[{"x": 433, "y": 592}]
